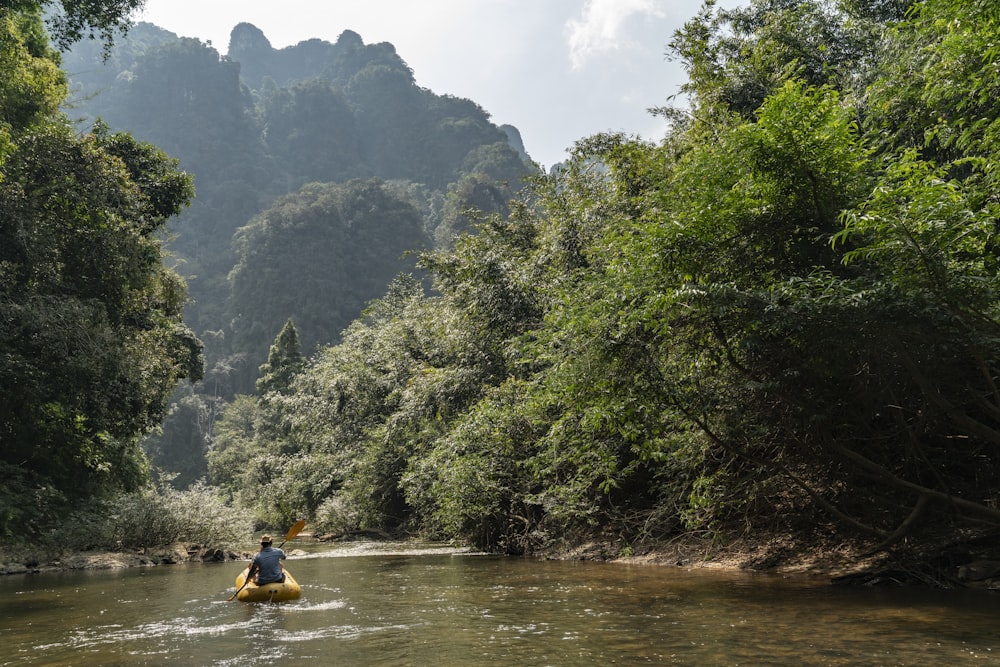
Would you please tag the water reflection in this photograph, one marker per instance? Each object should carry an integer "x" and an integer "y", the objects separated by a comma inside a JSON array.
[{"x": 392, "y": 609}]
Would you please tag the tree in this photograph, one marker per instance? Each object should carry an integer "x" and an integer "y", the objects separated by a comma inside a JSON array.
[
  {"x": 33, "y": 86},
  {"x": 90, "y": 317},
  {"x": 284, "y": 361},
  {"x": 769, "y": 320},
  {"x": 185, "y": 427},
  {"x": 310, "y": 130},
  {"x": 736, "y": 57},
  {"x": 839, "y": 382},
  {"x": 319, "y": 255},
  {"x": 72, "y": 20}
]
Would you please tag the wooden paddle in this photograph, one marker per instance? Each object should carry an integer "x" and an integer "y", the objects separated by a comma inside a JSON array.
[
  {"x": 290, "y": 535},
  {"x": 293, "y": 531}
]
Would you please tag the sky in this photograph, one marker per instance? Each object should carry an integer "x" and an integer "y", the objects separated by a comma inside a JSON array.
[{"x": 557, "y": 70}]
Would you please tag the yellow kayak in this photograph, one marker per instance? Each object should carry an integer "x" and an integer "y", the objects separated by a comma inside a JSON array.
[{"x": 288, "y": 589}]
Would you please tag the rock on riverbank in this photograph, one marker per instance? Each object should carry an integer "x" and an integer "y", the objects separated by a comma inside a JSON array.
[
  {"x": 972, "y": 564},
  {"x": 109, "y": 560}
]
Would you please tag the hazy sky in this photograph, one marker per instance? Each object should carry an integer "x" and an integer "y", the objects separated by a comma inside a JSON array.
[{"x": 558, "y": 70}]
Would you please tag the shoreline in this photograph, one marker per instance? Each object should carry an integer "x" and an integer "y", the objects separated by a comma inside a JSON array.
[
  {"x": 27, "y": 562},
  {"x": 840, "y": 563}
]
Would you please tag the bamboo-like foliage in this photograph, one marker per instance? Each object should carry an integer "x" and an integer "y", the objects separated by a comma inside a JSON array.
[{"x": 781, "y": 317}]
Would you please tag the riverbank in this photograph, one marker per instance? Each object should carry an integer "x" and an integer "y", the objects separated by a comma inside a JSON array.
[
  {"x": 975, "y": 565},
  {"x": 25, "y": 560}
]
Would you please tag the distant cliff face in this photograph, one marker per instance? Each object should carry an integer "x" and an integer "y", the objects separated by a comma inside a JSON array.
[
  {"x": 306, "y": 60},
  {"x": 261, "y": 123},
  {"x": 247, "y": 39},
  {"x": 515, "y": 141},
  {"x": 249, "y": 47}
]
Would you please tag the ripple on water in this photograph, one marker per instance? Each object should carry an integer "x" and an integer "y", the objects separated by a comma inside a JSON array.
[
  {"x": 388, "y": 549},
  {"x": 317, "y": 606},
  {"x": 449, "y": 610}
]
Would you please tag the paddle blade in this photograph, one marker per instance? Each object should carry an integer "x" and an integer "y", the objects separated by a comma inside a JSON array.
[{"x": 295, "y": 529}]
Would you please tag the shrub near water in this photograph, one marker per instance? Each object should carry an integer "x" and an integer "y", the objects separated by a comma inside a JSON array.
[{"x": 159, "y": 516}]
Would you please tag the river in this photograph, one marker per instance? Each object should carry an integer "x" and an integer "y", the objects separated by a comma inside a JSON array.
[{"x": 367, "y": 605}]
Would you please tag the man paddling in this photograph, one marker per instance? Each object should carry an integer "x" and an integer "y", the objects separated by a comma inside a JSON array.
[{"x": 267, "y": 563}]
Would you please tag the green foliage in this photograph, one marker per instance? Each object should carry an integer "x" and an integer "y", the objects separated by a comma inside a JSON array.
[
  {"x": 319, "y": 256},
  {"x": 33, "y": 86},
  {"x": 486, "y": 278},
  {"x": 471, "y": 197},
  {"x": 284, "y": 361},
  {"x": 783, "y": 315},
  {"x": 282, "y": 488},
  {"x": 153, "y": 517},
  {"x": 399, "y": 379},
  {"x": 72, "y": 20},
  {"x": 178, "y": 444},
  {"x": 474, "y": 485},
  {"x": 938, "y": 82},
  {"x": 76, "y": 19},
  {"x": 927, "y": 231},
  {"x": 311, "y": 132},
  {"x": 27, "y": 503},
  {"x": 260, "y": 129},
  {"x": 335, "y": 515},
  {"x": 736, "y": 58},
  {"x": 231, "y": 450},
  {"x": 338, "y": 435},
  {"x": 298, "y": 119},
  {"x": 766, "y": 320},
  {"x": 90, "y": 317}
]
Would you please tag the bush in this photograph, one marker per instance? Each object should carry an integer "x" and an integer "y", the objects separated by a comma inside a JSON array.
[
  {"x": 337, "y": 515},
  {"x": 27, "y": 503},
  {"x": 157, "y": 516}
]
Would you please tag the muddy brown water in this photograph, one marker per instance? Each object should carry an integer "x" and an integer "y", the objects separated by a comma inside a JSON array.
[{"x": 383, "y": 605}]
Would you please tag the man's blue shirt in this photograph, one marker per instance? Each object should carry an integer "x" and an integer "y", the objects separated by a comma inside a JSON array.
[{"x": 268, "y": 562}]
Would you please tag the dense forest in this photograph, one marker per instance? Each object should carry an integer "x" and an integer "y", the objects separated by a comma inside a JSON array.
[
  {"x": 320, "y": 170},
  {"x": 90, "y": 317},
  {"x": 780, "y": 319}
]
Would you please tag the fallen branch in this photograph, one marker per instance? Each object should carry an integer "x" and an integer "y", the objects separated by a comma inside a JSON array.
[
  {"x": 904, "y": 528},
  {"x": 783, "y": 470},
  {"x": 884, "y": 475}
]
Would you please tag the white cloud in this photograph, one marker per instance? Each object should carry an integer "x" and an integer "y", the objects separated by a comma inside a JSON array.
[{"x": 602, "y": 27}]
